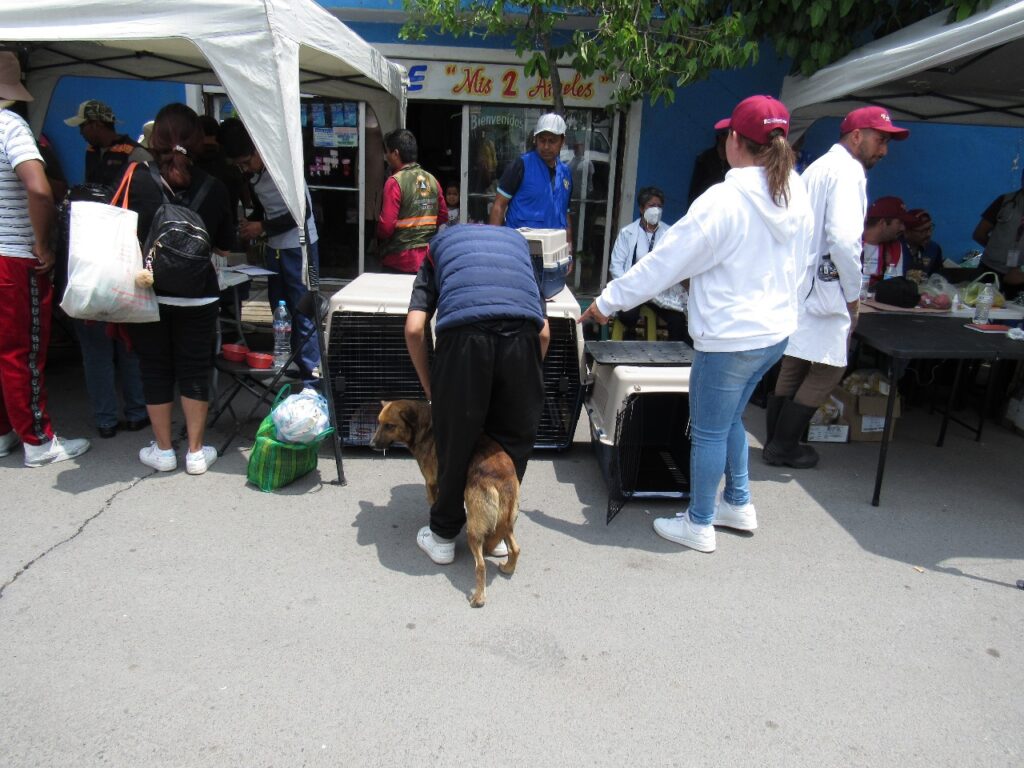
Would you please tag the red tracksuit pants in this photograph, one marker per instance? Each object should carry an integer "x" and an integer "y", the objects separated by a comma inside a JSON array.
[{"x": 25, "y": 299}]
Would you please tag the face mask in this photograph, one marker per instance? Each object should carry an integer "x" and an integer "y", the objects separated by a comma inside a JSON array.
[{"x": 653, "y": 215}]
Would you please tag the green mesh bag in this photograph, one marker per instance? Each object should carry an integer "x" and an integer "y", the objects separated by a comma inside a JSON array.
[{"x": 274, "y": 464}]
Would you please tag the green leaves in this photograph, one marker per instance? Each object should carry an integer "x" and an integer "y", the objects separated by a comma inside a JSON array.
[{"x": 652, "y": 47}]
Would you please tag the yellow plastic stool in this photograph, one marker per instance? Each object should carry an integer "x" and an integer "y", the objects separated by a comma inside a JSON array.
[{"x": 650, "y": 322}]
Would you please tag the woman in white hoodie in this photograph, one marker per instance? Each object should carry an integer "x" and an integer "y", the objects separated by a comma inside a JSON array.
[{"x": 744, "y": 245}]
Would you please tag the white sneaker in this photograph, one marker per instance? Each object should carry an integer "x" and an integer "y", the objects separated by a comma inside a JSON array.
[
  {"x": 200, "y": 461},
  {"x": 742, "y": 518},
  {"x": 500, "y": 550},
  {"x": 8, "y": 442},
  {"x": 157, "y": 458},
  {"x": 682, "y": 531},
  {"x": 58, "y": 449},
  {"x": 441, "y": 551}
]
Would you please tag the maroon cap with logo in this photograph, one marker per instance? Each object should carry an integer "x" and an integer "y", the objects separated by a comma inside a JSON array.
[
  {"x": 875, "y": 118},
  {"x": 757, "y": 116},
  {"x": 722, "y": 125},
  {"x": 918, "y": 218},
  {"x": 889, "y": 208}
]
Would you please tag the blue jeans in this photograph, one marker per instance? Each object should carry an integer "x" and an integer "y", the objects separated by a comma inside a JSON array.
[
  {"x": 287, "y": 285},
  {"x": 102, "y": 358},
  {"x": 720, "y": 386}
]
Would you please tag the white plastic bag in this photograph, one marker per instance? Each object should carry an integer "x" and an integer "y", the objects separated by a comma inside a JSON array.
[
  {"x": 301, "y": 418},
  {"x": 103, "y": 259}
]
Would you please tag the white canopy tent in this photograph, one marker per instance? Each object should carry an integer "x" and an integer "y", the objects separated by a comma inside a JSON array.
[
  {"x": 965, "y": 73},
  {"x": 263, "y": 52}
]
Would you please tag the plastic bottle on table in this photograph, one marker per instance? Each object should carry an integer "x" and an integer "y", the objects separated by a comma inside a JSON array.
[
  {"x": 983, "y": 305},
  {"x": 282, "y": 335},
  {"x": 957, "y": 303}
]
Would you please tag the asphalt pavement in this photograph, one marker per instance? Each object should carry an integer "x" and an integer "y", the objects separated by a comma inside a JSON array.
[{"x": 169, "y": 620}]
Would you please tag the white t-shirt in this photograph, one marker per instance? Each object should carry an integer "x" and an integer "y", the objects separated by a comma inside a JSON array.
[{"x": 17, "y": 144}]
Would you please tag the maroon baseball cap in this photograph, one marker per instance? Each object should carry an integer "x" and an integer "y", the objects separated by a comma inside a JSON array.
[
  {"x": 723, "y": 124},
  {"x": 918, "y": 218},
  {"x": 875, "y": 118},
  {"x": 757, "y": 116},
  {"x": 889, "y": 208}
]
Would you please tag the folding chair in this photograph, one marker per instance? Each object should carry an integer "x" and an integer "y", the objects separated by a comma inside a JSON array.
[{"x": 263, "y": 384}]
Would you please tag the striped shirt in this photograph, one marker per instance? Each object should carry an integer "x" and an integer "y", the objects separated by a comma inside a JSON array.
[{"x": 16, "y": 146}]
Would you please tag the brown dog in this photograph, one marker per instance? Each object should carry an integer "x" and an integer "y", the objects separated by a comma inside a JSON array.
[{"x": 492, "y": 489}]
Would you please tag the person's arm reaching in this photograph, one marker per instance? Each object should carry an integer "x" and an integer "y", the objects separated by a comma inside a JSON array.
[
  {"x": 498, "y": 209},
  {"x": 416, "y": 343}
]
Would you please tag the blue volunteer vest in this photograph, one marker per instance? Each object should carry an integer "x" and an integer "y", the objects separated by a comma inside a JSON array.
[
  {"x": 484, "y": 273},
  {"x": 539, "y": 203}
]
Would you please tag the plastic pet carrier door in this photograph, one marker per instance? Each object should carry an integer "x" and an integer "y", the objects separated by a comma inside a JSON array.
[
  {"x": 366, "y": 353},
  {"x": 639, "y": 408}
]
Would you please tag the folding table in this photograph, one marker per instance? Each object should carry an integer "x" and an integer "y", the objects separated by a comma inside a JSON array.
[{"x": 906, "y": 337}]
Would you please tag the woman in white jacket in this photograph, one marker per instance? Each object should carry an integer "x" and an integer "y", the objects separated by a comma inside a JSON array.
[{"x": 743, "y": 244}]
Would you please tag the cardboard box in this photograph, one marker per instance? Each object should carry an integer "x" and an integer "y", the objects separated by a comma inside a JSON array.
[
  {"x": 866, "y": 415},
  {"x": 828, "y": 433}
]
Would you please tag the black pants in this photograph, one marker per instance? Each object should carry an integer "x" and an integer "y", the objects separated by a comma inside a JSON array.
[
  {"x": 485, "y": 379},
  {"x": 179, "y": 349}
]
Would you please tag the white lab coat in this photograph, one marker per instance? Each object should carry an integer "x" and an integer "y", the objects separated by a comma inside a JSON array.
[
  {"x": 837, "y": 188},
  {"x": 633, "y": 237}
]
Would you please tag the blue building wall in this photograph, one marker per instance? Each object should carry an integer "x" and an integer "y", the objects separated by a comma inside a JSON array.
[
  {"x": 952, "y": 171},
  {"x": 673, "y": 135},
  {"x": 134, "y": 102}
]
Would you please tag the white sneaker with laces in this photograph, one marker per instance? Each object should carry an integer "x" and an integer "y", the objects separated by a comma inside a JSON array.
[
  {"x": 160, "y": 460},
  {"x": 58, "y": 449},
  {"x": 682, "y": 530},
  {"x": 8, "y": 442},
  {"x": 200, "y": 461},
  {"x": 500, "y": 550},
  {"x": 441, "y": 551},
  {"x": 742, "y": 518}
]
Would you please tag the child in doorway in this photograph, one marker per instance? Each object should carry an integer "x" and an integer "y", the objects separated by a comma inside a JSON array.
[{"x": 451, "y": 198}]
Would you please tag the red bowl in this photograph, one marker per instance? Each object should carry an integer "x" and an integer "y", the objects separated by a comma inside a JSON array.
[
  {"x": 259, "y": 360},
  {"x": 234, "y": 352}
]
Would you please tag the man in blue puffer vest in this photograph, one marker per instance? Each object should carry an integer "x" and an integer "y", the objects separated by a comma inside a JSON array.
[
  {"x": 535, "y": 189},
  {"x": 486, "y": 375}
]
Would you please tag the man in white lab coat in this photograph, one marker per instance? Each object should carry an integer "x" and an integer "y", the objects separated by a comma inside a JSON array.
[{"x": 815, "y": 357}]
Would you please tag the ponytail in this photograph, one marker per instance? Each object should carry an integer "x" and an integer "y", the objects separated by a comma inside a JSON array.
[
  {"x": 176, "y": 141},
  {"x": 778, "y": 159}
]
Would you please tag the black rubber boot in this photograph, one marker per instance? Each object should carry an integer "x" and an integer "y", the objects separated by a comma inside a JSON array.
[
  {"x": 771, "y": 415},
  {"x": 785, "y": 447}
]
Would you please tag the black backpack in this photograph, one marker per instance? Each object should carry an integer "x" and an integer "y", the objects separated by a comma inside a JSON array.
[{"x": 178, "y": 249}]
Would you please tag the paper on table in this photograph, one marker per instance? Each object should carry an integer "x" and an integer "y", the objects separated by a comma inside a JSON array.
[{"x": 251, "y": 271}]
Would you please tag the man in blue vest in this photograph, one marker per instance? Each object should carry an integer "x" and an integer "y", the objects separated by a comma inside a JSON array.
[
  {"x": 486, "y": 376},
  {"x": 535, "y": 189}
]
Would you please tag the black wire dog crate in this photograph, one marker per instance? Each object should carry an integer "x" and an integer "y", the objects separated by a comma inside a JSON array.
[
  {"x": 366, "y": 354},
  {"x": 638, "y": 402},
  {"x": 563, "y": 374}
]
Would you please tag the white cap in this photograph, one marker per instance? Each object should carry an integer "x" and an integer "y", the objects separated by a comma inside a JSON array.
[{"x": 550, "y": 123}]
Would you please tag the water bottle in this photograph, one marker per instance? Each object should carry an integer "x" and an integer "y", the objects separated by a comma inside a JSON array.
[
  {"x": 282, "y": 335},
  {"x": 865, "y": 287},
  {"x": 891, "y": 271},
  {"x": 983, "y": 305},
  {"x": 957, "y": 303},
  {"x": 827, "y": 271}
]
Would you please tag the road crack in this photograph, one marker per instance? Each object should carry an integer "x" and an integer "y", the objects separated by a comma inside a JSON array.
[{"x": 73, "y": 536}]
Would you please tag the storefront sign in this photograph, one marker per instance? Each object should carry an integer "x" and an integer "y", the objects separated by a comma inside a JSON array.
[{"x": 501, "y": 83}]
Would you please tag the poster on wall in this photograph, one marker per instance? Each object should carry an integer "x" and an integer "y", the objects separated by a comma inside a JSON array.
[{"x": 332, "y": 141}]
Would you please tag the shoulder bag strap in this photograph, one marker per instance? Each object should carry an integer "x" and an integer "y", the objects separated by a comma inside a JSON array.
[{"x": 122, "y": 189}]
